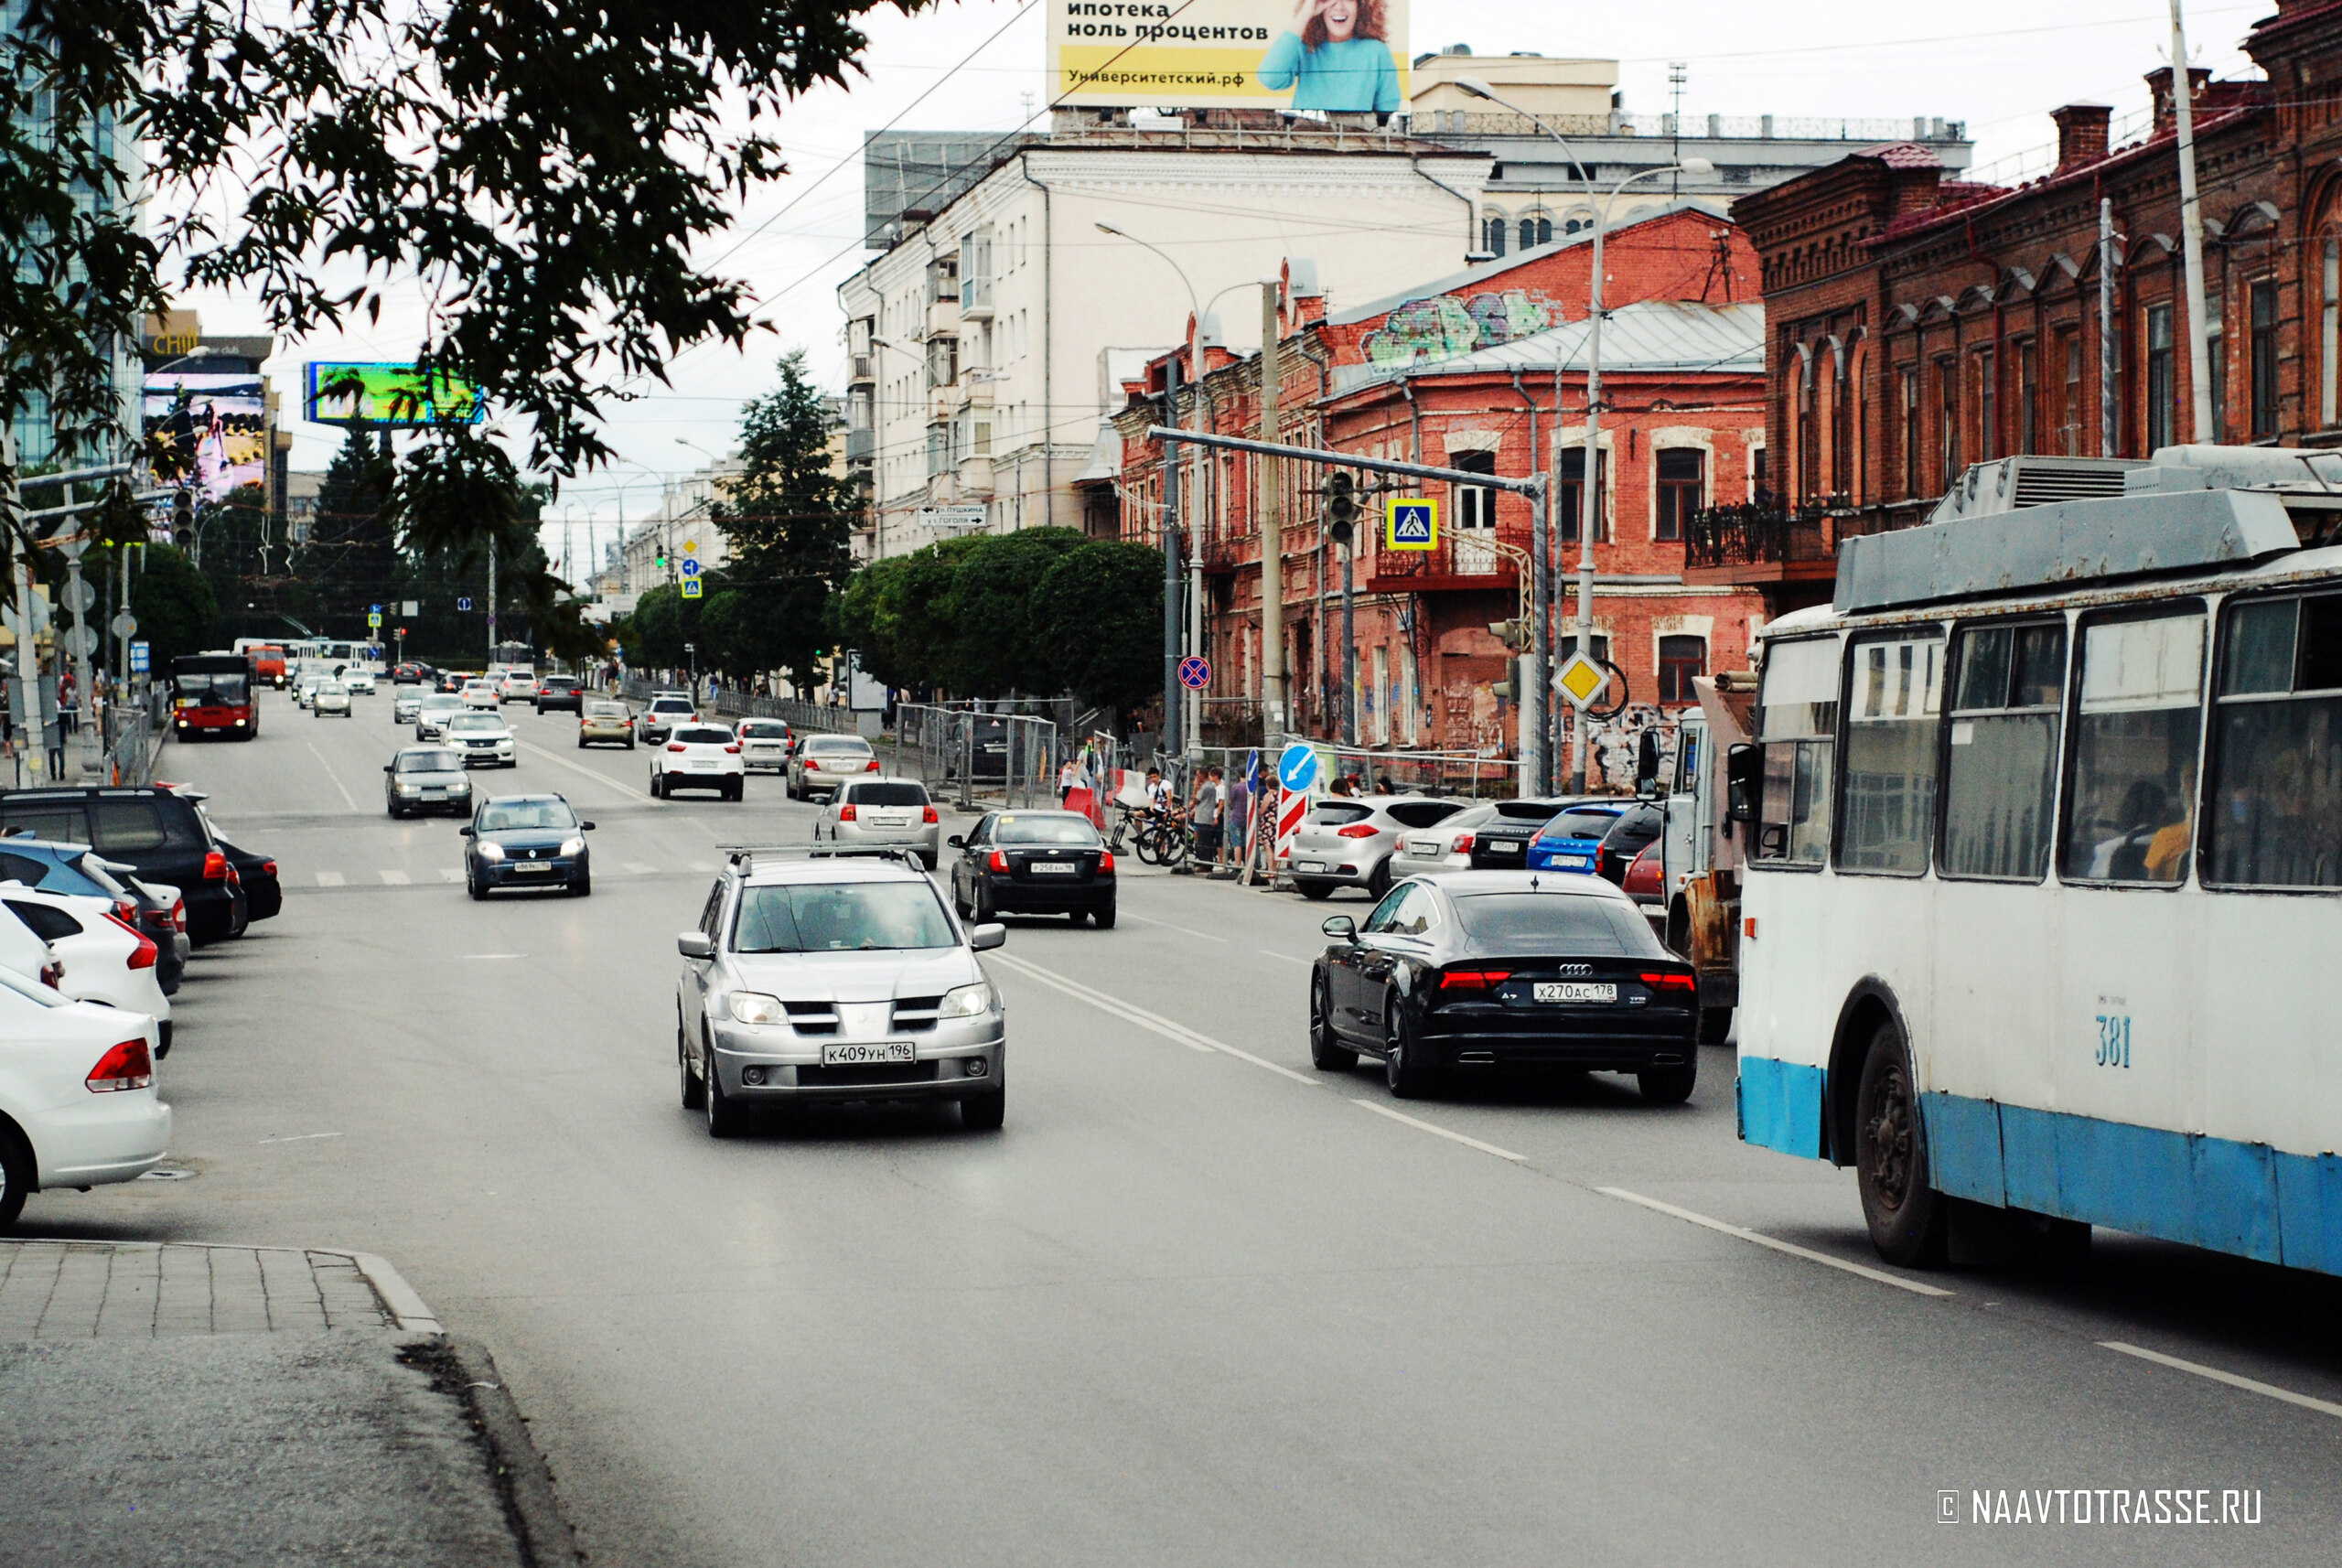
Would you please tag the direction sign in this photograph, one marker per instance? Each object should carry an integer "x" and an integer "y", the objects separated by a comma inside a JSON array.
[
  {"x": 81, "y": 641},
  {"x": 1411, "y": 522},
  {"x": 374, "y": 610},
  {"x": 1195, "y": 672},
  {"x": 137, "y": 657},
  {"x": 463, "y": 603},
  {"x": 80, "y": 595},
  {"x": 123, "y": 624},
  {"x": 691, "y": 587},
  {"x": 374, "y": 621},
  {"x": 1297, "y": 767},
  {"x": 1580, "y": 679},
  {"x": 690, "y": 568}
]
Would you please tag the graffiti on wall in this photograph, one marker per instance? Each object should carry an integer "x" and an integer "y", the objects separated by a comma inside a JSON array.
[
  {"x": 1446, "y": 326},
  {"x": 1613, "y": 744}
]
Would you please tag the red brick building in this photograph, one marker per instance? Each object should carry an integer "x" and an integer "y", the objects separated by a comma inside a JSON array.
[
  {"x": 1461, "y": 373},
  {"x": 1914, "y": 325}
]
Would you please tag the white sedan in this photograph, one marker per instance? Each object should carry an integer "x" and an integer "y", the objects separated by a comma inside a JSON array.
[
  {"x": 103, "y": 959},
  {"x": 482, "y": 740},
  {"x": 359, "y": 680},
  {"x": 481, "y": 693},
  {"x": 331, "y": 697},
  {"x": 698, "y": 757},
  {"x": 1447, "y": 846},
  {"x": 78, "y": 1080}
]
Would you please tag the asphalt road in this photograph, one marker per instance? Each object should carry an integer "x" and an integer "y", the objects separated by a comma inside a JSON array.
[{"x": 1197, "y": 1304}]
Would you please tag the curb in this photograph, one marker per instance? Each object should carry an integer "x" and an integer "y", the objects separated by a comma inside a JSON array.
[
  {"x": 523, "y": 1478},
  {"x": 406, "y": 1308}
]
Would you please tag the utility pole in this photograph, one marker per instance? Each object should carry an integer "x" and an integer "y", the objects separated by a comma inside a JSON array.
[
  {"x": 1195, "y": 700},
  {"x": 491, "y": 599},
  {"x": 2106, "y": 370},
  {"x": 27, "y": 657},
  {"x": 1272, "y": 520},
  {"x": 2191, "y": 230},
  {"x": 1173, "y": 707}
]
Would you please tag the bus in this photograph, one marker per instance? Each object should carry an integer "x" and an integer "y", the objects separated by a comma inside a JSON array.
[
  {"x": 2042, "y": 824},
  {"x": 213, "y": 695}
]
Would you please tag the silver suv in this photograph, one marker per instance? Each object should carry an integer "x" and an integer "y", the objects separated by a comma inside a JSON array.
[
  {"x": 830, "y": 975},
  {"x": 1347, "y": 842}
]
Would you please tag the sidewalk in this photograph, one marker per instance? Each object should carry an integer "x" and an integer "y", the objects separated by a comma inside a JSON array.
[{"x": 246, "y": 1408}]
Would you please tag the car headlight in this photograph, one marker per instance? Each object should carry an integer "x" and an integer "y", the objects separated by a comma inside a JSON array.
[
  {"x": 966, "y": 1002},
  {"x": 756, "y": 1007},
  {"x": 492, "y": 851},
  {"x": 573, "y": 845},
  {"x": 407, "y": 787}
]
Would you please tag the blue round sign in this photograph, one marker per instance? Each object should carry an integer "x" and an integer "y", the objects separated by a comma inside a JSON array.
[
  {"x": 1297, "y": 767},
  {"x": 1195, "y": 672},
  {"x": 691, "y": 567},
  {"x": 463, "y": 603}
]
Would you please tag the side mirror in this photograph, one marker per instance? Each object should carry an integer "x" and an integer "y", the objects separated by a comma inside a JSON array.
[
  {"x": 694, "y": 944},
  {"x": 984, "y": 938},
  {"x": 585, "y": 827},
  {"x": 388, "y": 766},
  {"x": 468, "y": 830},
  {"x": 1341, "y": 927},
  {"x": 958, "y": 840},
  {"x": 1745, "y": 781},
  {"x": 1647, "y": 763}
]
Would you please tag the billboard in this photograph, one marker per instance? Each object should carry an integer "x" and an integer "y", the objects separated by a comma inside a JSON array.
[
  {"x": 348, "y": 392},
  {"x": 1341, "y": 56},
  {"x": 207, "y": 429}
]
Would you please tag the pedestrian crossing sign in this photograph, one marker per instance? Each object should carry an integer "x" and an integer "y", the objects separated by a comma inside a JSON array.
[
  {"x": 1411, "y": 524},
  {"x": 691, "y": 587}
]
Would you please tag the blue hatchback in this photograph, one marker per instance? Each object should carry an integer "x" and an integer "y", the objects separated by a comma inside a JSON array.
[{"x": 1573, "y": 840}]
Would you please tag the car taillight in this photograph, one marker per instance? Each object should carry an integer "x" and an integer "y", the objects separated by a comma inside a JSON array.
[
  {"x": 874, "y": 766},
  {"x": 52, "y": 973},
  {"x": 125, "y": 1066},
  {"x": 1359, "y": 831},
  {"x": 1000, "y": 860},
  {"x": 732, "y": 750},
  {"x": 1105, "y": 863},
  {"x": 125, "y": 911},
  {"x": 1463, "y": 844},
  {"x": 1473, "y": 979},
  {"x": 1669, "y": 979},
  {"x": 144, "y": 955},
  {"x": 268, "y": 869},
  {"x": 215, "y": 868},
  {"x": 928, "y": 815},
  {"x": 845, "y": 813},
  {"x": 178, "y": 909},
  {"x": 675, "y": 746}
]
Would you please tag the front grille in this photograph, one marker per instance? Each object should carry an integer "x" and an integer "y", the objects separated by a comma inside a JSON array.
[
  {"x": 813, "y": 1018},
  {"x": 915, "y": 1013},
  {"x": 865, "y": 1073}
]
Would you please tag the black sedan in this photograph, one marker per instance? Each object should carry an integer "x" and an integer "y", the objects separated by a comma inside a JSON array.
[
  {"x": 263, "y": 892},
  {"x": 1033, "y": 863},
  {"x": 1476, "y": 970},
  {"x": 1502, "y": 844},
  {"x": 527, "y": 841}
]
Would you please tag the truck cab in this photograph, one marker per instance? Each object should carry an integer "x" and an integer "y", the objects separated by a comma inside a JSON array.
[{"x": 1700, "y": 856}]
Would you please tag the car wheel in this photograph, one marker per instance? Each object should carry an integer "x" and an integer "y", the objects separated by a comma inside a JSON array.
[
  {"x": 1669, "y": 1085},
  {"x": 984, "y": 1112},
  {"x": 725, "y": 1115},
  {"x": 583, "y": 887},
  {"x": 1715, "y": 1026},
  {"x": 629, "y": 745},
  {"x": 581, "y": 743},
  {"x": 396, "y": 814},
  {"x": 960, "y": 905},
  {"x": 654, "y": 786},
  {"x": 473, "y": 885},
  {"x": 1316, "y": 891},
  {"x": 1326, "y": 1052},
  {"x": 1406, "y": 1066},
  {"x": 1104, "y": 915},
  {"x": 1907, "y": 1217},
  {"x": 980, "y": 903},
  {"x": 694, "y": 1092},
  {"x": 17, "y": 1174},
  {"x": 1378, "y": 883}
]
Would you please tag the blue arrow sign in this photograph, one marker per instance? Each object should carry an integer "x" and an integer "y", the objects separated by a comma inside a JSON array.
[
  {"x": 463, "y": 603},
  {"x": 1297, "y": 768},
  {"x": 691, "y": 567}
]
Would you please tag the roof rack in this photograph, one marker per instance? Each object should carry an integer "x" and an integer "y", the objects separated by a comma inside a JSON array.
[{"x": 746, "y": 855}]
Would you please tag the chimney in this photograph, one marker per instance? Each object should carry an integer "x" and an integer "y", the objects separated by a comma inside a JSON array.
[
  {"x": 2159, "y": 84},
  {"x": 2082, "y": 134}
]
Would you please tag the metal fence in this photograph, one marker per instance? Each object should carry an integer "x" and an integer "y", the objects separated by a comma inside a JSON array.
[
  {"x": 745, "y": 705},
  {"x": 130, "y": 737},
  {"x": 963, "y": 753}
]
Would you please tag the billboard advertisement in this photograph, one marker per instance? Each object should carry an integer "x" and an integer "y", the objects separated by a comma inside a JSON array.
[
  {"x": 349, "y": 393},
  {"x": 1341, "y": 56},
  {"x": 209, "y": 429}
]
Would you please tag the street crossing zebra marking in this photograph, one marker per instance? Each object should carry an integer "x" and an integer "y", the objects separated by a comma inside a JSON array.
[
  {"x": 331, "y": 879},
  {"x": 449, "y": 874},
  {"x": 395, "y": 878},
  {"x": 640, "y": 869}
]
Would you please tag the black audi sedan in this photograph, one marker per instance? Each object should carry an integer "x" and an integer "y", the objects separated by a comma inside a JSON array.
[
  {"x": 526, "y": 840},
  {"x": 1033, "y": 863},
  {"x": 1473, "y": 971}
]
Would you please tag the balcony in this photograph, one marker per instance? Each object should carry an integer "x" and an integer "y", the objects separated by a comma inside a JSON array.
[
  {"x": 861, "y": 446},
  {"x": 943, "y": 318},
  {"x": 1464, "y": 559},
  {"x": 975, "y": 299},
  {"x": 976, "y": 477},
  {"x": 944, "y": 401},
  {"x": 863, "y": 371}
]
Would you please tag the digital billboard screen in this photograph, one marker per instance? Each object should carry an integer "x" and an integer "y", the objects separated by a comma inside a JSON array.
[
  {"x": 347, "y": 393},
  {"x": 207, "y": 429},
  {"x": 1338, "y": 56}
]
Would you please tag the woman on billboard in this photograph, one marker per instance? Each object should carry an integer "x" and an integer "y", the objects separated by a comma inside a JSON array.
[{"x": 1335, "y": 58}]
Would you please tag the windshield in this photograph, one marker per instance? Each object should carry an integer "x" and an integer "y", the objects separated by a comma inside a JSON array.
[
  {"x": 1580, "y": 824},
  {"x": 767, "y": 731},
  {"x": 332, "y": 689},
  {"x": 429, "y": 762},
  {"x": 468, "y": 722},
  {"x": 841, "y": 916},
  {"x": 889, "y": 794},
  {"x": 1563, "y": 923},
  {"x": 670, "y": 705},
  {"x": 211, "y": 690},
  {"x": 702, "y": 737},
  {"x": 838, "y": 745},
  {"x": 504, "y": 816},
  {"x": 1051, "y": 829},
  {"x": 442, "y": 702}
]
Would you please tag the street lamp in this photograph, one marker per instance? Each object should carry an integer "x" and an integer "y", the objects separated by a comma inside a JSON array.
[{"x": 1592, "y": 459}]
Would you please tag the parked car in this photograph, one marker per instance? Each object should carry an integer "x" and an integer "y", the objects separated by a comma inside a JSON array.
[
  {"x": 426, "y": 778},
  {"x": 257, "y": 875},
  {"x": 883, "y": 810},
  {"x": 482, "y": 740},
  {"x": 1034, "y": 863},
  {"x": 1444, "y": 847},
  {"x": 526, "y": 840},
  {"x": 560, "y": 692},
  {"x": 157, "y": 910},
  {"x": 667, "y": 710},
  {"x": 764, "y": 743},
  {"x": 823, "y": 762},
  {"x": 161, "y": 833},
  {"x": 1480, "y": 970},
  {"x": 104, "y": 958},
  {"x": 600, "y": 722},
  {"x": 330, "y": 697},
  {"x": 1573, "y": 839},
  {"x": 432, "y": 713},
  {"x": 77, "y": 1084},
  {"x": 1502, "y": 843},
  {"x": 1350, "y": 841},
  {"x": 697, "y": 756},
  {"x": 836, "y": 979},
  {"x": 517, "y": 686}
]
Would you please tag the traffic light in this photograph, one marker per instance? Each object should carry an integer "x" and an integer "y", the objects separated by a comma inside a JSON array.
[
  {"x": 183, "y": 519},
  {"x": 1341, "y": 505},
  {"x": 1514, "y": 635},
  {"x": 659, "y": 561}
]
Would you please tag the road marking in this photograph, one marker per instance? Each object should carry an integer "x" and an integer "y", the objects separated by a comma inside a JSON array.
[
  {"x": 1381, "y": 1110},
  {"x": 698, "y": 866},
  {"x": 561, "y": 761},
  {"x": 1286, "y": 956},
  {"x": 331, "y": 879},
  {"x": 449, "y": 874},
  {"x": 641, "y": 870},
  {"x": 331, "y": 774},
  {"x": 1743, "y": 1233},
  {"x": 301, "y": 1138},
  {"x": 1154, "y": 1023},
  {"x": 474, "y": 956},
  {"x": 395, "y": 878},
  {"x": 1183, "y": 930},
  {"x": 2250, "y": 1385}
]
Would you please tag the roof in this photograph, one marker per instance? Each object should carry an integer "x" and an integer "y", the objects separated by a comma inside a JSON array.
[
  {"x": 1105, "y": 453},
  {"x": 1650, "y": 336},
  {"x": 1465, "y": 883},
  {"x": 1903, "y": 154}
]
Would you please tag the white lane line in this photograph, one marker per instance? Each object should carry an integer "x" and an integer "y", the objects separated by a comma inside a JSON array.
[
  {"x": 640, "y": 869},
  {"x": 1154, "y": 1023},
  {"x": 2250, "y": 1385},
  {"x": 331, "y": 879},
  {"x": 474, "y": 957},
  {"x": 449, "y": 874},
  {"x": 1183, "y": 930},
  {"x": 599, "y": 777},
  {"x": 301, "y": 1138},
  {"x": 1380, "y": 1109},
  {"x": 395, "y": 878},
  {"x": 700, "y": 866},
  {"x": 1741, "y": 1233},
  {"x": 1286, "y": 957},
  {"x": 331, "y": 774}
]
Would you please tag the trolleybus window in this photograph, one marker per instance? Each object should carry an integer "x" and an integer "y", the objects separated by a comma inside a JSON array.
[
  {"x": 2001, "y": 762},
  {"x": 2275, "y": 813},
  {"x": 1798, "y": 720},
  {"x": 2130, "y": 811},
  {"x": 1887, "y": 816}
]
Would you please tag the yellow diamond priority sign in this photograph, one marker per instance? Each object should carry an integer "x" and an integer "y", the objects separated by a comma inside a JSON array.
[{"x": 1580, "y": 679}]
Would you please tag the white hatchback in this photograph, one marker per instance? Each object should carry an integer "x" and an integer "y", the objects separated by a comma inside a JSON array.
[
  {"x": 480, "y": 694},
  {"x": 78, "y": 1080},
  {"x": 104, "y": 959},
  {"x": 331, "y": 697},
  {"x": 698, "y": 757},
  {"x": 518, "y": 687},
  {"x": 359, "y": 680}
]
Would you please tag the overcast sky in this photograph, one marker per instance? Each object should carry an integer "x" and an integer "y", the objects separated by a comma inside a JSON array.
[{"x": 1998, "y": 65}]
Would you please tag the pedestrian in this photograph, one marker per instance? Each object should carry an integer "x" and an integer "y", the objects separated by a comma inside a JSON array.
[
  {"x": 1204, "y": 811},
  {"x": 1068, "y": 777},
  {"x": 69, "y": 704}
]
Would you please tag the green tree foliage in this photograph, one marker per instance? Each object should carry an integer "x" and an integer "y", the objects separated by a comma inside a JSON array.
[
  {"x": 664, "y": 621},
  {"x": 788, "y": 519},
  {"x": 347, "y": 561},
  {"x": 991, "y": 593},
  {"x": 1095, "y": 624},
  {"x": 174, "y": 606}
]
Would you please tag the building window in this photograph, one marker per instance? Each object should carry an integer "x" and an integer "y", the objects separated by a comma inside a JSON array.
[
  {"x": 1912, "y": 442},
  {"x": 1573, "y": 492},
  {"x": 942, "y": 362},
  {"x": 2215, "y": 361},
  {"x": 1807, "y": 466},
  {"x": 1840, "y": 425},
  {"x": 1680, "y": 659},
  {"x": 1988, "y": 407},
  {"x": 2028, "y": 397},
  {"x": 2069, "y": 411},
  {"x": 1536, "y": 228},
  {"x": 1948, "y": 421},
  {"x": 1683, "y": 485},
  {"x": 1475, "y": 507},
  {"x": 939, "y": 449},
  {"x": 1492, "y": 234},
  {"x": 2329, "y": 332},
  {"x": 2163, "y": 386},
  {"x": 2264, "y": 360}
]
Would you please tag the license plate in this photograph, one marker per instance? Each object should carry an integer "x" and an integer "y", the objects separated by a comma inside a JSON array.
[
  {"x": 1576, "y": 991},
  {"x": 703, "y": 768},
  {"x": 435, "y": 792},
  {"x": 1053, "y": 868},
  {"x": 1572, "y": 862},
  {"x": 868, "y": 1053},
  {"x": 1501, "y": 848},
  {"x": 1309, "y": 865},
  {"x": 1424, "y": 852},
  {"x": 532, "y": 868}
]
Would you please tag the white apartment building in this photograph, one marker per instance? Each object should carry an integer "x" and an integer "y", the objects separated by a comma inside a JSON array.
[
  {"x": 988, "y": 343},
  {"x": 682, "y": 528}
]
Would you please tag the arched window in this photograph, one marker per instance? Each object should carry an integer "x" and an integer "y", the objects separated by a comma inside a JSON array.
[
  {"x": 1492, "y": 234},
  {"x": 2329, "y": 328},
  {"x": 1536, "y": 228}
]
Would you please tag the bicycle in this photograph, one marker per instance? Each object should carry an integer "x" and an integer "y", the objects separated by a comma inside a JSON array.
[{"x": 1172, "y": 840}]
